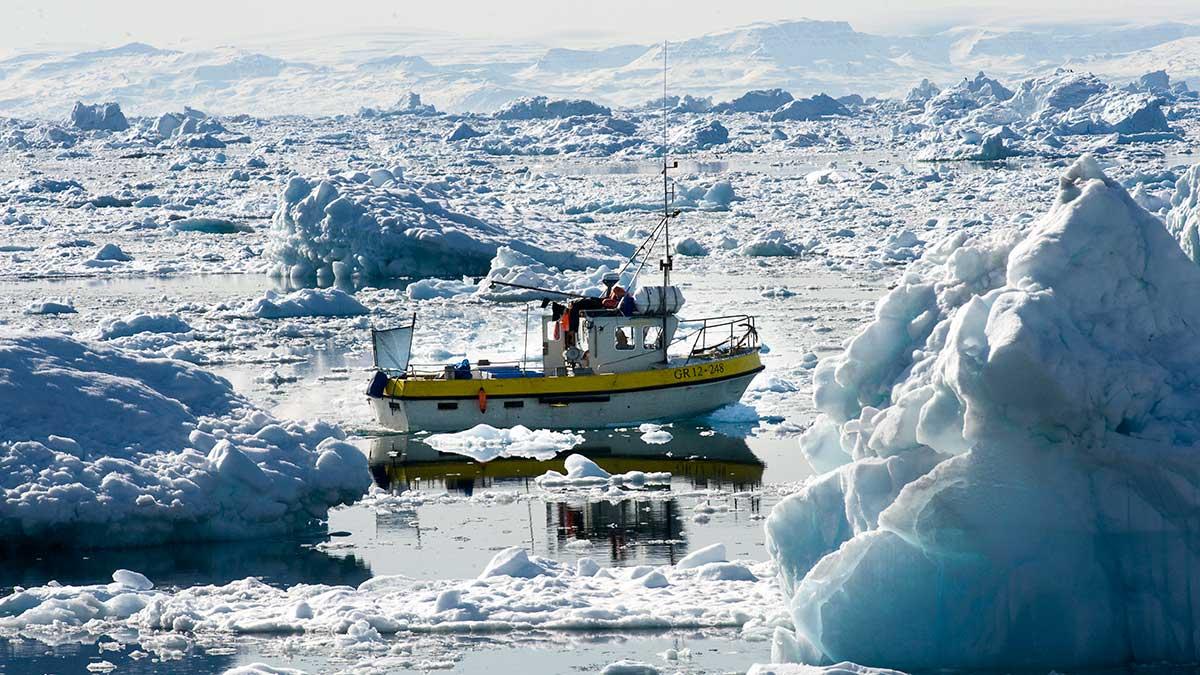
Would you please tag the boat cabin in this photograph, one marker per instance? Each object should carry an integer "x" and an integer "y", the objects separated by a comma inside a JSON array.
[{"x": 608, "y": 342}]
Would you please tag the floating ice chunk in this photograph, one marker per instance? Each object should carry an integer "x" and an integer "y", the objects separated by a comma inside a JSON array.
[
  {"x": 583, "y": 472},
  {"x": 725, "y": 571},
  {"x": 690, "y": 247},
  {"x": 51, "y": 306},
  {"x": 116, "y": 327},
  {"x": 132, "y": 580},
  {"x": 515, "y": 562},
  {"x": 484, "y": 442},
  {"x": 654, "y": 434},
  {"x": 700, "y": 135},
  {"x": 586, "y": 567},
  {"x": 713, "y": 553},
  {"x": 427, "y": 289},
  {"x": 111, "y": 252},
  {"x": 775, "y": 243},
  {"x": 208, "y": 225},
  {"x": 462, "y": 132},
  {"x": 263, "y": 669},
  {"x": 843, "y": 668},
  {"x": 629, "y": 667},
  {"x": 304, "y": 302}
]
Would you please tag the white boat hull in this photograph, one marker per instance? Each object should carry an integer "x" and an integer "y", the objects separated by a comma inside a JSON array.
[{"x": 578, "y": 411}]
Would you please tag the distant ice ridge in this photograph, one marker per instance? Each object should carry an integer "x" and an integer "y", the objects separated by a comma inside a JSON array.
[
  {"x": 981, "y": 119},
  {"x": 1011, "y": 447},
  {"x": 101, "y": 447},
  {"x": 377, "y": 224}
]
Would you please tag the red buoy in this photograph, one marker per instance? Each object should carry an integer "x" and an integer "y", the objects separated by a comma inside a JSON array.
[{"x": 482, "y": 400}]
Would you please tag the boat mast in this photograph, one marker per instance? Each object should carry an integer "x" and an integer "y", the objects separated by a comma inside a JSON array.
[{"x": 667, "y": 264}]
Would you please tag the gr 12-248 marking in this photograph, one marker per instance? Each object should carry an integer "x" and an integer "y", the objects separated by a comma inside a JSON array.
[{"x": 699, "y": 370}]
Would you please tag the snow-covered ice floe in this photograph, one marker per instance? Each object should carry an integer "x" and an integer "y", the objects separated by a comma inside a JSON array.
[
  {"x": 1011, "y": 447},
  {"x": 102, "y": 447},
  {"x": 515, "y": 592}
]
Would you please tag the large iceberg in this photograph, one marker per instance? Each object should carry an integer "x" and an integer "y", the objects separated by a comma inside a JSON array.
[
  {"x": 378, "y": 224},
  {"x": 103, "y": 447},
  {"x": 1013, "y": 451}
]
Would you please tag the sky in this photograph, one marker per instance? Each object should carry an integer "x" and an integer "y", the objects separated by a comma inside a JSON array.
[{"x": 29, "y": 24}]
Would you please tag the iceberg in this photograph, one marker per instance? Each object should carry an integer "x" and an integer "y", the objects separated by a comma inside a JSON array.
[
  {"x": 812, "y": 108},
  {"x": 1011, "y": 460},
  {"x": 755, "y": 101},
  {"x": 98, "y": 117}
]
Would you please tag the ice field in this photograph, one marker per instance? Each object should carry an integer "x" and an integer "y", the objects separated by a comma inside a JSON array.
[{"x": 973, "y": 446}]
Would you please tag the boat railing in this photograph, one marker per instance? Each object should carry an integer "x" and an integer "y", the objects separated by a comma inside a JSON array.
[
  {"x": 490, "y": 369},
  {"x": 721, "y": 335}
]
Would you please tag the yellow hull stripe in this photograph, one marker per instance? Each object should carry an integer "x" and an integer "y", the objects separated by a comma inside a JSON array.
[{"x": 698, "y": 372}]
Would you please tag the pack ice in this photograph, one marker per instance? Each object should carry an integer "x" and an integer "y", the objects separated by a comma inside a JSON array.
[
  {"x": 1013, "y": 451},
  {"x": 102, "y": 447}
]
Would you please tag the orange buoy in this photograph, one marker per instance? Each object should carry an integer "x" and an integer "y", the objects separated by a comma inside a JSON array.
[{"x": 482, "y": 400}]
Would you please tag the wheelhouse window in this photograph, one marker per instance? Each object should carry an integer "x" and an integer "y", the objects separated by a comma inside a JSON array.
[
  {"x": 652, "y": 337},
  {"x": 624, "y": 337}
]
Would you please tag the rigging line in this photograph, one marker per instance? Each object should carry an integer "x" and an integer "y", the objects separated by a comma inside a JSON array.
[
  {"x": 644, "y": 260},
  {"x": 640, "y": 249}
]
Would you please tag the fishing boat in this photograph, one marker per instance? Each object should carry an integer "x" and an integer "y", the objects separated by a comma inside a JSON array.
[{"x": 613, "y": 360}]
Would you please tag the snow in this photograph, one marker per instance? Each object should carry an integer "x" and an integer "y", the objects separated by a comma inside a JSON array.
[
  {"x": 166, "y": 452},
  {"x": 1031, "y": 393},
  {"x": 304, "y": 302},
  {"x": 484, "y": 442}
]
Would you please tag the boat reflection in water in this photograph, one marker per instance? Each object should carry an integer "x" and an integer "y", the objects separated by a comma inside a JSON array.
[{"x": 648, "y": 525}]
